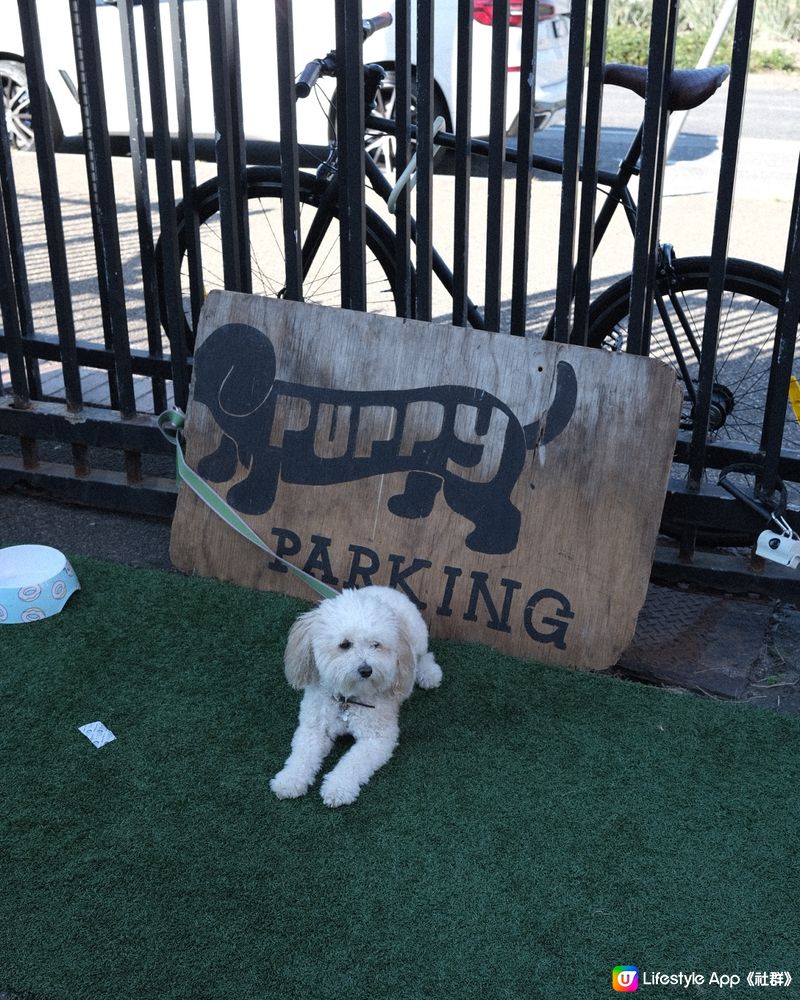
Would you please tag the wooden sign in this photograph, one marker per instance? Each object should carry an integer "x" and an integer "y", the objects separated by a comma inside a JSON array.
[{"x": 511, "y": 488}]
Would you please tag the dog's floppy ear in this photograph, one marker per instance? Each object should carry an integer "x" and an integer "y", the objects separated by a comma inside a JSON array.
[
  {"x": 406, "y": 664},
  {"x": 298, "y": 660}
]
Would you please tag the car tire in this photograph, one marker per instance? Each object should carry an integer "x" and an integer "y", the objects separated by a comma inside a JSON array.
[
  {"x": 380, "y": 146},
  {"x": 17, "y": 108},
  {"x": 16, "y": 104}
]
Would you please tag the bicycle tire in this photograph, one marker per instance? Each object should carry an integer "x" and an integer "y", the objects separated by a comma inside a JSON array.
[
  {"x": 264, "y": 196},
  {"x": 750, "y": 302}
]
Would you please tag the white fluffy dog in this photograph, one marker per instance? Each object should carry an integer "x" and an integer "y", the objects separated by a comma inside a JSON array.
[{"x": 356, "y": 656}]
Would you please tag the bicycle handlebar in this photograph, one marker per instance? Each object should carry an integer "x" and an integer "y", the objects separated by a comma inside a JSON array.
[
  {"x": 308, "y": 78},
  {"x": 327, "y": 66},
  {"x": 373, "y": 24}
]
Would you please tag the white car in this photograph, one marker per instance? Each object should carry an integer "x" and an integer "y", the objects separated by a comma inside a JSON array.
[{"x": 314, "y": 31}]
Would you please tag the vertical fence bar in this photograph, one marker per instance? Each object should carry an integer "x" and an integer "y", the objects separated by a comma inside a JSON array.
[
  {"x": 569, "y": 187},
  {"x": 51, "y": 204},
  {"x": 425, "y": 29},
  {"x": 402, "y": 112},
  {"x": 496, "y": 166},
  {"x": 290, "y": 160},
  {"x": 13, "y": 345},
  {"x": 103, "y": 203},
  {"x": 653, "y": 161},
  {"x": 591, "y": 150},
  {"x": 522, "y": 202},
  {"x": 350, "y": 132},
  {"x": 462, "y": 159},
  {"x": 783, "y": 353},
  {"x": 734, "y": 110},
  {"x": 162, "y": 155},
  {"x": 231, "y": 157},
  {"x": 15, "y": 289},
  {"x": 8, "y": 300},
  {"x": 186, "y": 154},
  {"x": 142, "y": 195}
]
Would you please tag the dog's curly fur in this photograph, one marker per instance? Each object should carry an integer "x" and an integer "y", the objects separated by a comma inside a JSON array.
[{"x": 356, "y": 657}]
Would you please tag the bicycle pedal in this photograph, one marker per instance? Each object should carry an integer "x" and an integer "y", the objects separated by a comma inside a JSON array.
[{"x": 779, "y": 547}]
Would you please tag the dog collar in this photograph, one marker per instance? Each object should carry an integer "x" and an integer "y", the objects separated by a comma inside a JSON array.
[{"x": 347, "y": 702}]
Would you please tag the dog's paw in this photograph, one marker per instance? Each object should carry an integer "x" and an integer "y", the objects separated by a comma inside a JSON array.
[
  {"x": 338, "y": 791},
  {"x": 288, "y": 786},
  {"x": 428, "y": 673}
]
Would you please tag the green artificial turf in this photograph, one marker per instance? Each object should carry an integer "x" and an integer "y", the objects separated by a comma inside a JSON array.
[{"x": 535, "y": 828}]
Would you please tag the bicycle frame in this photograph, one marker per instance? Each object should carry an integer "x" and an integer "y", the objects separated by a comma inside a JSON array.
[
  {"x": 617, "y": 183},
  {"x": 617, "y": 193}
]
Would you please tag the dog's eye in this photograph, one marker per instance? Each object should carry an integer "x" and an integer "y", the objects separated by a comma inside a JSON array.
[
  {"x": 345, "y": 644},
  {"x": 375, "y": 645}
]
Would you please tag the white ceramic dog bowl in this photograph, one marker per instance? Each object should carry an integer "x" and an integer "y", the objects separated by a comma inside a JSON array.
[{"x": 35, "y": 582}]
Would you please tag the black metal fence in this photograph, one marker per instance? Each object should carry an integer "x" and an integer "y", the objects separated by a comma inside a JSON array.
[{"x": 78, "y": 397}]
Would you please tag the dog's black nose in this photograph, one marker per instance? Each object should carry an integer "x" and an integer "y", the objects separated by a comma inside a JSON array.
[{"x": 365, "y": 670}]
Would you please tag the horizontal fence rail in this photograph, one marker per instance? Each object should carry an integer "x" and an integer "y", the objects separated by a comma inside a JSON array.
[{"x": 106, "y": 256}]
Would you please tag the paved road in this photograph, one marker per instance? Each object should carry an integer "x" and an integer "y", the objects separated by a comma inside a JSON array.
[
  {"x": 772, "y": 109},
  {"x": 766, "y": 172},
  {"x": 768, "y": 150}
]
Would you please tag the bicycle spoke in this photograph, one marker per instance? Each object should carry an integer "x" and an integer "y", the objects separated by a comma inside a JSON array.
[
  {"x": 743, "y": 360},
  {"x": 322, "y": 283},
  {"x": 317, "y": 281},
  {"x": 258, "y": 259}
]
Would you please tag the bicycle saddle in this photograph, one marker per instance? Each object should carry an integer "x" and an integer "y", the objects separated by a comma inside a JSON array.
[{"x": 689, "y": 88}]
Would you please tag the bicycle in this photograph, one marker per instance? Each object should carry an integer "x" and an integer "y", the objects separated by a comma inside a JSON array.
[{"x": 752, "y": 291}]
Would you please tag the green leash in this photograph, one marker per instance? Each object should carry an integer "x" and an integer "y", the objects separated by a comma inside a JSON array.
[{"x": 171, "y": 423}]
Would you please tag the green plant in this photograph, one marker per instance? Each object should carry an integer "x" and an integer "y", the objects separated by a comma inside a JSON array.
[
  {"x": 776, "y": 22},
  {"x": 627, "y": 44},
  {"x": 773, "y": 59},
  {"x": 779, "y": 19}
]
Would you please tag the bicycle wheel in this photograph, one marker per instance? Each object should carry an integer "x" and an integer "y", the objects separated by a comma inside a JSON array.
[
  {"x": 748, "y": 319},
  {"x": 322, "y": 281}
]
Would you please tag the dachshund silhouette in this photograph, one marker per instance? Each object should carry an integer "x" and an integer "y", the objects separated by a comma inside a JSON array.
[{"x": 235, "y": 378}]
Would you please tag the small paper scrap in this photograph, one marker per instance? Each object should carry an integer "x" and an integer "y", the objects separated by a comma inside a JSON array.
[{"x": 97, "y": 733}]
